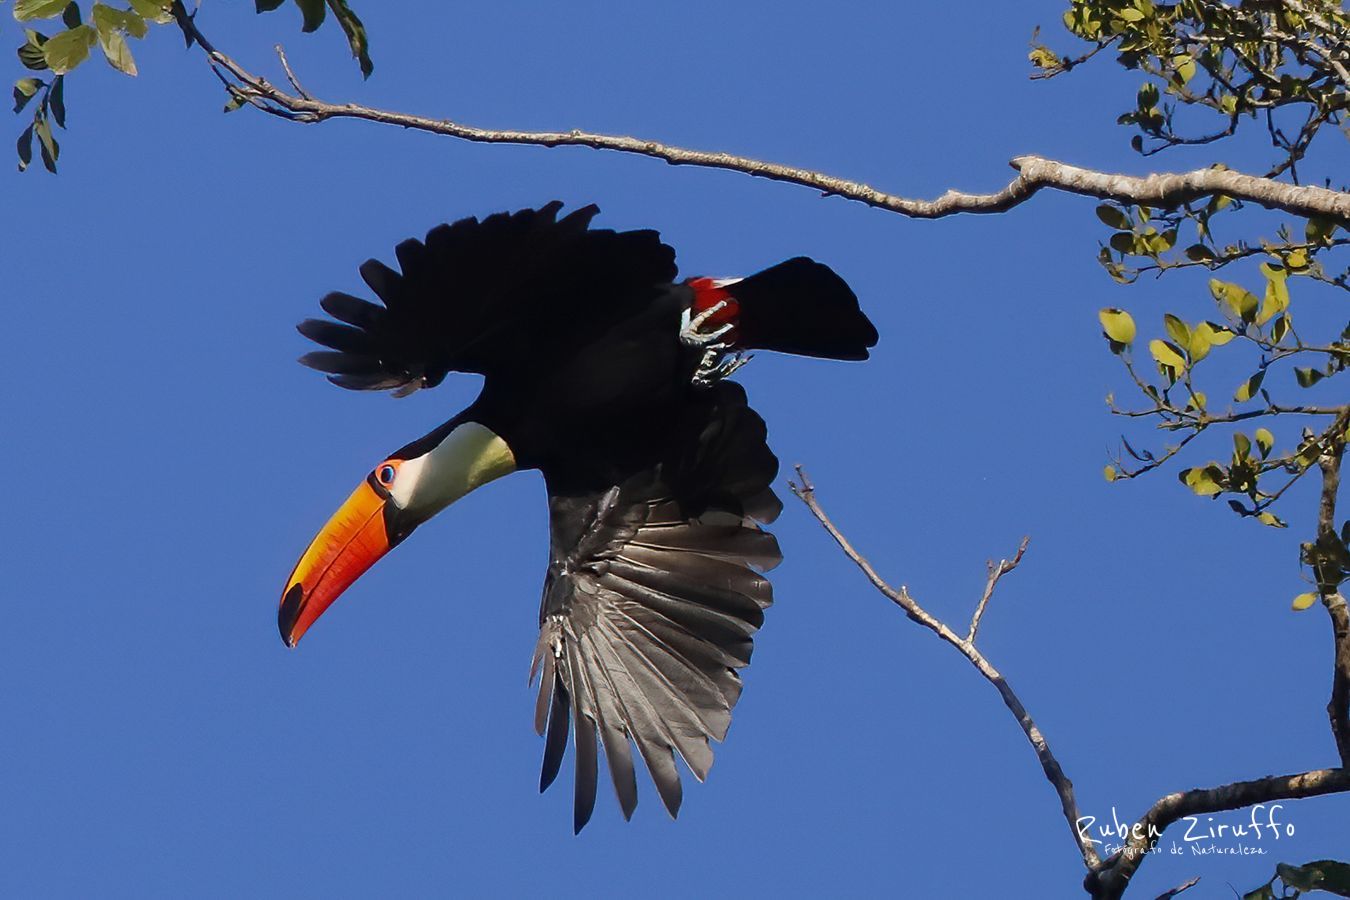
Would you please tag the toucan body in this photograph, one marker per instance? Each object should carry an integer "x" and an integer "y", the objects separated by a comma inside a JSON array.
[{"x": 610, "y": 377}]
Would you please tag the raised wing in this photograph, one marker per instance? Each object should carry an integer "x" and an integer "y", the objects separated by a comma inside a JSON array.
[
  {"x": 483, "y": 297},
  {"x": 652, "y": 596}
]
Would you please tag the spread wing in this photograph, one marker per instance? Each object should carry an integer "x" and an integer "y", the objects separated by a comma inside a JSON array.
[
  {"x": 652, "y": 596},
  {"x": 483, "y": 297}
]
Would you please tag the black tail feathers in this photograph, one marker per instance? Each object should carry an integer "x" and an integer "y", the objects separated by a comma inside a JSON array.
[{"x": 801, "y": 306}]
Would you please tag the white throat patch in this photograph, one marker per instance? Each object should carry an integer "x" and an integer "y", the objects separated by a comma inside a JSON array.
[{"x": 470, "y": 456}]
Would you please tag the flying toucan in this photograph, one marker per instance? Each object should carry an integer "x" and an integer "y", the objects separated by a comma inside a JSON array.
[{"x": 610, "y": 377}]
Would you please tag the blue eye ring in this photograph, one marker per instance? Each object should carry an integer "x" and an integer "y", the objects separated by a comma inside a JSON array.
[{"x": 385, "y": 474}]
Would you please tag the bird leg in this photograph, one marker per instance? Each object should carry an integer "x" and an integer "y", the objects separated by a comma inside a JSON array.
[
  {"x": 715, "y": 363},
  {"x": 691, "y": 333}
]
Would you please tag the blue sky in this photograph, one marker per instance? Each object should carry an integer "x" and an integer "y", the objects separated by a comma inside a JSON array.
[{"x": 168, "y": 462}]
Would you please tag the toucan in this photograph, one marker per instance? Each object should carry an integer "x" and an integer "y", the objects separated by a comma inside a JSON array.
[{"x": 610, "y": 377}]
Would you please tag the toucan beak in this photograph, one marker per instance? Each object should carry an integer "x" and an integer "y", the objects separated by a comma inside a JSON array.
[{"x": 352, "y": 541}]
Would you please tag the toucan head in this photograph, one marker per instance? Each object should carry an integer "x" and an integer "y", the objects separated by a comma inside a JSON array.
[{"x": 404, "y": 490}]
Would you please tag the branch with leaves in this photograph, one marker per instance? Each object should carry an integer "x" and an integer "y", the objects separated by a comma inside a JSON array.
[
  {"x": 54, "y": 56},
  {"x": 1034, "y": 173}
]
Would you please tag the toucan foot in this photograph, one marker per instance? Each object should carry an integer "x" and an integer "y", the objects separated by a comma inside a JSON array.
[
  {"x": 716, "y": 365},
  {"x": 691, "y": 327}
]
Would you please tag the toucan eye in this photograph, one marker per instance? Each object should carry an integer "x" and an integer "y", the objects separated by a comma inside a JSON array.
[{"x": 385, "y": 474}]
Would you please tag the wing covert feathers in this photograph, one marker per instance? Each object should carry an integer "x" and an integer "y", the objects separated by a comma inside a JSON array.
[
  {"x": 654, "y": 592},
  {"x": 479, "y": 296}
]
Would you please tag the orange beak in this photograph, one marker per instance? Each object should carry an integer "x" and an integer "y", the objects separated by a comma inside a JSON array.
[{"x": 352, "y": 541}]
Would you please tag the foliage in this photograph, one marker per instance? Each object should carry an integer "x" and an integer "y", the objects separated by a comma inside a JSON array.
[
  {"x": 54, "y": 56},
  {"x": 1234, "y": 63},
  {"x": 1283, "y": 63},
  {"x": 1321, "y": 875}
]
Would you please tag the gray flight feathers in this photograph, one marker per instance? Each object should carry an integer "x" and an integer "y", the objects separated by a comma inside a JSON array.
[{"x": 653, "y": 594}]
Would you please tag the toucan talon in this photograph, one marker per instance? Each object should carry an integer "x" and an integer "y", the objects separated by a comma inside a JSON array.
[
  {"x": 691, "y": 333},
  {"x": 715, "y": 366}
]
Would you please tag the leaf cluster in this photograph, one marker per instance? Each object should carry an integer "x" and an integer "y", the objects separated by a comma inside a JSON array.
[
  {"x": 109, "y": 27},
  {"x": 1327, "y": 875},
  {"x": 1283, "y": 62}
]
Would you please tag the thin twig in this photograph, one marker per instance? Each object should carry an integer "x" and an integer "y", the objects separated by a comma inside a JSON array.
[
  {"x": 995, "y": 573},
  {"x": 805, "y": 491},
  {"x": 1181, "y": 888},
  {"x": 290, "y": 73}
]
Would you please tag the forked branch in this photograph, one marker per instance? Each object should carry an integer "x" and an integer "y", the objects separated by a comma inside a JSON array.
[
  {"x": 1108, "y": 878},
  {"x": 805, "y": 491}
]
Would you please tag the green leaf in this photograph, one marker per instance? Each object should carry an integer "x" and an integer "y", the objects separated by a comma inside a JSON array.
[
  {"x": 25, "y": 148},
  {"x": 1238, "y": 299},
  {"x": 71, "y": 15},
  {"x": 1198, "y": 347},
  {"x": 1043, "y": 58},
  {"x": 1274, "y": 521},
  {"x": 1114, "y": 217},
  {"x": 314, "y": 11},
  {"x": 1304, "y": 601},
  {"x": 24, "y": 90},
  {"x": 1199, "y": 253},
  {"x": 356, "y": 35},
  {"x": 68, "y": 49},
  {"x": 1279, "y": 328},
  {"x": 56, "y": 99},
  {"x": 1317, "y": 231},
  {"x": 1118, "y": 325},
  {"x": 263, "y": 6},
  {"x": 1110, "y": 473},
  {"x": 1167, "y": 354},
  {"x": 1204, "y": 480},
  {"x": 1248, "y": 389},
  {"x": 1264, "y": 441},
  {"x": 1277, "y": 292},
  {"x": 1177, "y": 329},
  {"x": 115, "y": 48},
  {"x": 27, "y": 10},
  {"x": 51, "y": 150},
  {"x": 1217, "y": 334},
  {"x": 1123, "y": 241},
  {"x": 30, "y": 54},
  {"x": 1242, "y": 445},
  {"x": 108, "y": 20},
  {"x": 157, "y": 11},
  {"x": 1308, "y": 377}
]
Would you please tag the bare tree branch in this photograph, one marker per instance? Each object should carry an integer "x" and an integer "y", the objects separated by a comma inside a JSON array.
[
  {"x": 1106, "y": 879},
  {"x": 805, "y": 491},
  {"x": 1179, "y": 889},
  {"x": 995, "y": 573},
  {"x": 1034, "y": 172},
  {"x": 1112, "y": 877},
  {"x": 1338, "y": 708}
]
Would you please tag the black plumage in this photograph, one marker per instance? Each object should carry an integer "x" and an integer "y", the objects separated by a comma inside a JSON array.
[{"x": 658, "y": 489}]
